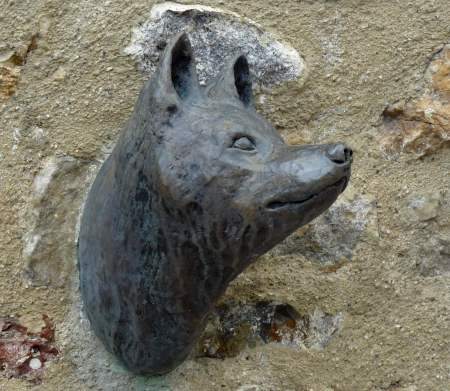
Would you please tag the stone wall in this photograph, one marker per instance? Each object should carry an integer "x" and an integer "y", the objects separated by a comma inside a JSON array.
[{"x": 357, "y": 300}]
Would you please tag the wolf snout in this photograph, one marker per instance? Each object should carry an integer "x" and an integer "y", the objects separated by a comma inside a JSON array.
[{"x": 339, "y": 153}]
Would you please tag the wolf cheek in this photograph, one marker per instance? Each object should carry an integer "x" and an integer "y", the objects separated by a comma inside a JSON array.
[{"x": 198, "y": 185}]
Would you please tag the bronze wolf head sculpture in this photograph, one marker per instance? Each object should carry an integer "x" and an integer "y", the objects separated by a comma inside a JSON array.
[{"x": 197, "y": 187}]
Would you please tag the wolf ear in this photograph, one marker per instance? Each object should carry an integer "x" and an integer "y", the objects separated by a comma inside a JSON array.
[
  {"x": 234, "y": 81},
  {"x": 177, "y": 74}
]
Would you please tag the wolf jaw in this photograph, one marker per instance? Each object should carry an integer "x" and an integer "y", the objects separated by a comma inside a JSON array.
[{"x": 290, "y": 200}]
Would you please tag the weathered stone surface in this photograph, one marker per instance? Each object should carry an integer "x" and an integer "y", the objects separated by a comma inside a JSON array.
[
  {"x": 420, "y": 208},
  {"x": 361, "y": 55},
  {"x": 49, "y": 243},
  {"x": 406, "y": 388},
  {"x": 421, "y": 126},
  {"x": 215, "y": 34},
  {"x": 332, "y": 237},
  {"x": 424, "y": 217},
  {"x": 434, "y": 255},
  {"x": 236, "y": 326}
]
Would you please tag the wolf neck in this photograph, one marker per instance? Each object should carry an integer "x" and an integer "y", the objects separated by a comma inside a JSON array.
[
  {"x": 179, "y": 255},
  {"x": 174, "y": 266}
]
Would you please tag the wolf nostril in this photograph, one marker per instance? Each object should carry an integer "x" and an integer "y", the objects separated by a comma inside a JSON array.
[{"x": 339, "y": 153}]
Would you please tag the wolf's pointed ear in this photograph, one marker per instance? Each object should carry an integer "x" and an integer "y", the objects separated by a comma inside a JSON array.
[
  {"x": 177, "y": 74},
  {"x": 234, "y": 81}
]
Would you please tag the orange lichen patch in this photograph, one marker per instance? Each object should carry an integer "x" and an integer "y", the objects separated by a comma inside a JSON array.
[
  {"x": 23, "y": 354},
  {"x": 333, "y": 268},
  {"x": 280, "y": 331},
  {"x": 421, "y": 126},
  {"x": 11, "y": 65},
  {"x": 441, "y": 71},
  {"x": 8, "y": 82}
]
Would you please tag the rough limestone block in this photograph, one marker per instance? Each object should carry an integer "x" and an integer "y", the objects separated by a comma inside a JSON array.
[
  {"x": 215, "y": 35},
  {"x": 49, "y": 243},
  {"x": 420, "y": 208}
]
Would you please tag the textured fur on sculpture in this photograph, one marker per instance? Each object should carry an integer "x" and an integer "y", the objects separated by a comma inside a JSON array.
[{"x": 197, "y": 187}]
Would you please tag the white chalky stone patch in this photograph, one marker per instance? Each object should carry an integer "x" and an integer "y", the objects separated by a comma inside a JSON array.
[
  {"x": 216, "y": 35},
  {"x": 35, "y": 363}
]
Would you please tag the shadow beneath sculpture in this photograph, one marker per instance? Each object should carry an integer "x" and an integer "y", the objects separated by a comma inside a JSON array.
[{"x": 233, "y": 327}]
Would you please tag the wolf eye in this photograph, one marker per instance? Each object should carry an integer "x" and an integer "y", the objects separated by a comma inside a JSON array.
[{"x": 243, "y": 143}]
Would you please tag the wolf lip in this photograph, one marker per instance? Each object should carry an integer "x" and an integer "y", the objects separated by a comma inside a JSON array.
[{"x": 277, "y": 204}]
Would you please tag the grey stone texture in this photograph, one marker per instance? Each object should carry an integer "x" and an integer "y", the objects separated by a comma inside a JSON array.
[{"x": 51, "y": 220}]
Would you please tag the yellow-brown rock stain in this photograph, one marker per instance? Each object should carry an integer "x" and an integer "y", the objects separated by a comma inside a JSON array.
[{"x": 422, "y": 126}]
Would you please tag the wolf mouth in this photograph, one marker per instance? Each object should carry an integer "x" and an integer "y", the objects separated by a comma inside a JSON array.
[{"x": 274, "y": 205}]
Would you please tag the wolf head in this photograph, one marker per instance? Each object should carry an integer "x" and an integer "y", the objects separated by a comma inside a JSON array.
[
  {"x": 198, "y": 185},
  {"x": 224, "y": 185},
  {"x": 218, "y": 160}
]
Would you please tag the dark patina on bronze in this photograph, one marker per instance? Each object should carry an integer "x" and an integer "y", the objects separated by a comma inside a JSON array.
[{"x": 197, "y": 187}]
